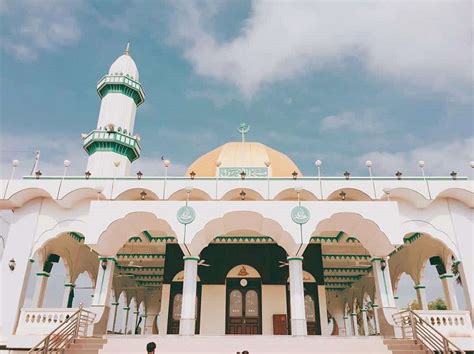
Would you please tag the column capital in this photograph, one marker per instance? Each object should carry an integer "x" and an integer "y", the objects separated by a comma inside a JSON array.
[
  {"x": 374, "y": 259},
  {"x": 446, "y": 275},
  {"x": 42, "y": 274},
  {"x": 191, "y": 258},
  {"x": 115, "y": 303},
  {"x": 294, "y": 258},
  {"x": 353, "y": 314},
  {"x": 126, "y": 308},
  {"x": 108, "y": 258}
]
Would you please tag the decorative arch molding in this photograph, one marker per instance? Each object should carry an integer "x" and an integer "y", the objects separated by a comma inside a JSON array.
[
  {"x": 352, "y": 194},
  {"x": 135, "y": 194},
  {"x": 232, "y": 221},
  {"x": 291, "y": 194},
  {"x": 463, "y": 195},
  {"x": 369, "y": 234},
  {"x": 413, "y": 197},
  {"x": 195, "y": 195},
  {"x": 250, "y": 194},
  {"x": 77, "y": 195},
  {"x": 120, "y": 230},
  {"x": 23, "y": 196}
]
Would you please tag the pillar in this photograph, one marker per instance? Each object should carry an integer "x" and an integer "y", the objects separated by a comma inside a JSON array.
[
  {"x": 376, "y": 318},
  {"x": 144, "y": 323},
  {"x": 385, "y": 298},
  {"x": 298, "y": 315},
  {"x": 187, "y": 323},
  {"x": 421, "y": 296},
  {"x": 40, "y": 289},
  {"x": 125, "y": 325},
  {"x": 135, "y": 323},
  {"x": 347, "y": 325},
  {"x": 355, "y": 326},
  {"x": 323, "y": 312},
  {"x": 114, "y": 320},
  {"x": 448, "y": 282},
  {"x": 67, "y": 300},
  {"x": 102, "y": 293},
  {"x": 365, "y": 321}
]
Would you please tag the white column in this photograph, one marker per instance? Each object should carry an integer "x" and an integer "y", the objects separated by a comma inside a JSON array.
[
  {"x": 347, "y": 325},
  {"x": 385, "y": 298},
  {"x": 421, "y": 296},
  {"x": 376, "y": 318},
  {"x": 40, "y": 288},
  {"x": 67, "y": 291},
  {"x": 135, "y": 323},
  {"x": 103, "y": 287},
  {"x": 323, "y": 312},
  {"x": 125, "y": 319},
  {"x": 144, "y": 323},
  {"x": 365, "y": 322},
  {"x": 187, "y": 323},
  {"x": 355, "y": 326},
  {"x": 298, "y": 315},
  {"x": 114, "y": 320},
  {"x": 448, "y": 282}
]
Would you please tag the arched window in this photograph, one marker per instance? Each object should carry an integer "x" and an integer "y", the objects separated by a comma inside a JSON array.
[
  {"x": 251, "y": 304},
  {"x": 177, "y": 302},
  {"x": 235, "y": 306},
  {"x": 309, "y": 308}
]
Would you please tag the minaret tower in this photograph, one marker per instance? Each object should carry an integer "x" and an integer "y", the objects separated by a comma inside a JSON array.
[{"x": 112, "y": 146}]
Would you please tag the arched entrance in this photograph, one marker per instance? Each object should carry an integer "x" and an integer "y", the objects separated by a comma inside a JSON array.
[{"x": 243, "y": 301}]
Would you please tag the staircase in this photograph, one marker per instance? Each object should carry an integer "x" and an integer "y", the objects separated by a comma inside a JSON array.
[
  {"x": 404, "y": 346},
  {"x": 89, "y": 345}
]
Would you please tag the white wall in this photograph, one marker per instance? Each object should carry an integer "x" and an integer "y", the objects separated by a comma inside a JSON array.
[
  {"x": 273, "y": 302},
  {"x": 213, "y": 309}
]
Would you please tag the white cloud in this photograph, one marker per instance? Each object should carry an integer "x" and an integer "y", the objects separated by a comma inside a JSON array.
[
  {"x": 32, "y": 26},
  {"x": 426, "y": 44},
  {"x": 351, "y": 121},
  {"x": 440, "y": 157}
]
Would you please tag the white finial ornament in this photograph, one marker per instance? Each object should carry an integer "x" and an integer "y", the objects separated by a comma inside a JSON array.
[
  {"x": 421, "y": 163},
  {"x": 243, "y": 129},
  {"x": 472, "y": 164},
  {"x": 318, "y": 162},
  {"x": 127, "y": 48}
]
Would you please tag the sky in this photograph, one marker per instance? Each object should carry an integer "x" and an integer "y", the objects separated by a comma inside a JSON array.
[{"x": 342, "y": 82}]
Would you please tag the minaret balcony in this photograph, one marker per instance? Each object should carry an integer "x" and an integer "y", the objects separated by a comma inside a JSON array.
[
  {"x": 113, "y": 141},
  {"x": 121, "y": 84}
]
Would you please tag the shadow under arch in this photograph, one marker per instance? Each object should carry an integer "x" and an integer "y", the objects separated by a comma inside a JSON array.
[
  {"x": 364, "y": 229},
  {"x": 195, "y": 194},
  {"x": 235, "y": 194},
  {"x": 238, "y": 220},
  {"x": 351, "y": 194},
  {"x": 291, "y": 194},
  {"x": 120, "y": 230}
]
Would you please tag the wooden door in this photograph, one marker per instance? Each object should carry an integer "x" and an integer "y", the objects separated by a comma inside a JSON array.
[
  {"x": 310, "y": 312},
  {"x": 244, "y": 307}
]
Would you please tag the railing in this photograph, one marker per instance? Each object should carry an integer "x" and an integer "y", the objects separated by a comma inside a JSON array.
[
  {"x": 415, "y": 327},
  {"x": 65, "y": 333},
  {"x": 41, "y": 321}
]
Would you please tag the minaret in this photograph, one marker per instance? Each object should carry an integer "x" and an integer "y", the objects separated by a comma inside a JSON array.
[{"x": 112, "y": 147}]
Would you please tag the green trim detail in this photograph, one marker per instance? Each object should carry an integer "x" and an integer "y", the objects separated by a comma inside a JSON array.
[
  {"x": 141, "y": 255},
  {"x": 348, "y": 269},
  {"x": 419, "y": 286},
  {"x": 412, "y": 238},
  {"x": 446, "y": 275},
  {"x": 42, "y": 274},
  {"x": 338, "y": 284},
  {"x": 375, "y": 305},
  {"x": 223, "y": 239},
  {"x": 77, "y": 236},
  {"x": 148, "y": 276},
  {"x": 352, "y": 239},
  {"x": 70, "y": 285},
  {"x": 364, "y": 310},
  {"x": 327, "y": 238},
  {"x": 191, "y": 258},
  {"x": 349, "y": 277},
  {"x": 32, "y": 260},
  {"x": 115, "y": 303},
  {"x": 374, "y": 259},
  {"x": 126, "y": 308},
  {"x": 346, "y": 256},
  {"x": 123, "y": 144},
  {"x": 353, "y": 314},
  {"x": 121, "y": 84},
  {"x": 141, "y": 269},
  {"x": 149, "y": 282},
  {"x": 294, "y": 259},
  {"x": 334, "y": 289}
]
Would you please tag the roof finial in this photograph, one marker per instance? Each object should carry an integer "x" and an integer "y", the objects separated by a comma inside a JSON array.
[
  {"x": 127, "y": 49},
  {"x": 243, "y": 129}
]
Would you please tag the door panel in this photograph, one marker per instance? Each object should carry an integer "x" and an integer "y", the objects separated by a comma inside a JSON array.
[
  {"x": 243, "y": 307},
  {"x": 175, "y": 305}
]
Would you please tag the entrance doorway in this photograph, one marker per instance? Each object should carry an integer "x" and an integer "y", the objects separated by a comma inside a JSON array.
[
  {"x": 175, "y": 305},
  {"x": 243, "y": 306}
]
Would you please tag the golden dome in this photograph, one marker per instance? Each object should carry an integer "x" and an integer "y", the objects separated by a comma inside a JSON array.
[{"x": 248, "y": 156}]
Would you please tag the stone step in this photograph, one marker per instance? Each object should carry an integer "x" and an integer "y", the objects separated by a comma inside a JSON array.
[
  {"x": 97, "y": 340},
  {"x": 399, "y": 341},
  {"x": 405, "y": 347}
]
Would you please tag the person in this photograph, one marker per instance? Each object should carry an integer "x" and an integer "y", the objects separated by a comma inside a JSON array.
[{"x": 150, "y": 348}]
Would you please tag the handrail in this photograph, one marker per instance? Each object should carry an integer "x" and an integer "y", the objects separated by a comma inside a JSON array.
[
  {"x": 414, "y": 326},
  {"x": 65, "y": 333}
]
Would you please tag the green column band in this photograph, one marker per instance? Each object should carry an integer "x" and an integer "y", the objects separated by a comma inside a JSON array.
[
  {"x": 420, "y": 286},
  {"x": 294, "y": 258},
  {"x": 42, "y": 274},
  {"x": 447, "y": 275},
  {"x": 191, "y": 258},
  {"x": 70, "y": 285}
]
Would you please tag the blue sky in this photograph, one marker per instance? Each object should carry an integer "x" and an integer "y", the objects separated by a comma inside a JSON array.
[{"x": 341, "y": 82}]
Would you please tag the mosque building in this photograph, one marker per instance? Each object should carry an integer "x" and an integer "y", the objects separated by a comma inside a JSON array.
[{"x": 243, "y": 244}]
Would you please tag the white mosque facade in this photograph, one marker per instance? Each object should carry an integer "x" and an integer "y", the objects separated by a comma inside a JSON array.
[{"x": 242, "y": 244}]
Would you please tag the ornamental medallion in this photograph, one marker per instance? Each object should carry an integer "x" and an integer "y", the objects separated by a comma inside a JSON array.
[
  {"x": 300, "y": 215},
  {"x": 186, "y": 215}
]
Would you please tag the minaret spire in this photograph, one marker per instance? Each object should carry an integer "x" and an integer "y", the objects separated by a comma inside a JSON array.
[{"x": 127, "y": 48}]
